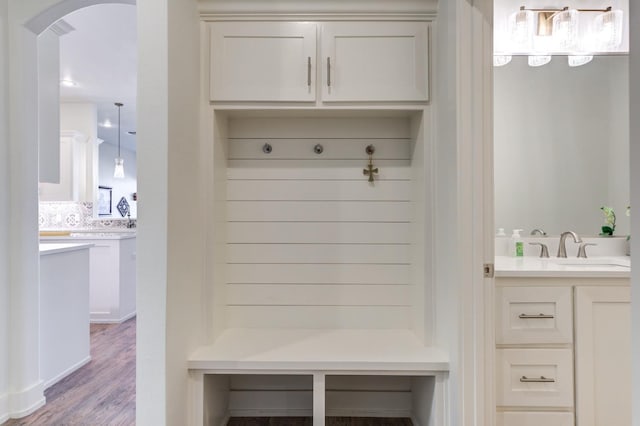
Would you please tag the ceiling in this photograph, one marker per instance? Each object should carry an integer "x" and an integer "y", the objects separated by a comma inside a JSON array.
[{"x": 100, "y": 55}]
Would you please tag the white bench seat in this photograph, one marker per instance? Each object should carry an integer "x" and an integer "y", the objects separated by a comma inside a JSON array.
[{"x": 317, "y": 353}]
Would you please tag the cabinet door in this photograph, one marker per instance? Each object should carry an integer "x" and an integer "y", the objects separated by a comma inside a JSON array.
[
  {"x": 263, "y": 61},
  {"x": 374, "y": 61},
  {"x": 603, "y": 356}
]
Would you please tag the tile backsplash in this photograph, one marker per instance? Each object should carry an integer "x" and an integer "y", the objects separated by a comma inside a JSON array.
[{"x": 64, "y": 215}]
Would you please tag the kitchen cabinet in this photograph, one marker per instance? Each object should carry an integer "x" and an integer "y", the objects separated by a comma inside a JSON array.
[
  {"x": 112, "y": 295},
  {"x": 358, "y": 61},
  {"x": 64, "y": 310},
  {"x": 560, "y": 338},
  {"x": 71, "y": 186},
  {"x": 603, "y": 355},
  {"x": 113, "y": 280}
]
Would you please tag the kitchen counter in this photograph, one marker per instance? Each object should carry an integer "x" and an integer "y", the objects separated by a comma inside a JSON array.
[
  {"x": 52, "y": 248},
  {"x": 529, "y": 266},
  {"x": 64, "y": 309},
  {"x": 91, "y": 236}
]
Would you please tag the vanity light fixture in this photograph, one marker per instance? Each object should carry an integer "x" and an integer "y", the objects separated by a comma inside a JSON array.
[
  {"x": 118, "y": 171},
  {"x": 541, "y": 32}
]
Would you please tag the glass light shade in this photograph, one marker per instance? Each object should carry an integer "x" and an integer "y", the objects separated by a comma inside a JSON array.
[
  {"x": 538, "y": 60},
  {"x": 118, "y": 171},
  {"x": 521, "y": 30},
  {"x": 578, "y": 60},
  {"x": 565, "y": 29},
  {"x": 607, "y": 27},
  {"x": 501, "y": 60}
]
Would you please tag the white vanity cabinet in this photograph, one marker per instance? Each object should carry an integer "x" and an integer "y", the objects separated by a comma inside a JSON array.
[
  {"x": 356, "y": 61},
  {"x": 603, "y": 355},
  {"x": 560, "y": 340}
]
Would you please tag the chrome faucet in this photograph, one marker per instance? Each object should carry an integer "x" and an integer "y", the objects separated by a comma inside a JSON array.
[
  {"x": 539, "y": 232},
  {"x": 562, "y": 247}
]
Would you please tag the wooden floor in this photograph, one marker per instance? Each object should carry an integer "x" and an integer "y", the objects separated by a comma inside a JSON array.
[
  {"x": 103, "y": 392},
  {"x": 308, "y": 421}
]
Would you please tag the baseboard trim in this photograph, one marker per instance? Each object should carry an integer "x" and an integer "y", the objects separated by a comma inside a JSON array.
[
  {"x": 275, "y": 412},
  {"x": 66, "y": 372},
  {"x": 99, "y": 318},
  {"x": 23, "y": 403},
  {"x": 4, "y": 408},
  {"x": 344, "y": 412}
]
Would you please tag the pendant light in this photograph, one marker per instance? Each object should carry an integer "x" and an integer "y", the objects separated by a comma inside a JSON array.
[{"x": 118, "y": 172}]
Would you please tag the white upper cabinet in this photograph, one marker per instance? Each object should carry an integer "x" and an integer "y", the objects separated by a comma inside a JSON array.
[
  {"x": 374, "y": 61},
  {"x": 356, "y": 62},
  {"x": 263, "y": 61}
]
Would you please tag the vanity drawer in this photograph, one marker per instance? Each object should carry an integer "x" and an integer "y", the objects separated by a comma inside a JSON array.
[
  {"x": 534, "y": 315},
  {"x": 533, "y": 418},
  {"x": 534, "y": 377}
]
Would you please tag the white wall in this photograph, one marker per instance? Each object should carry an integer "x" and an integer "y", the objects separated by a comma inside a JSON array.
[
  {"x": 561, "y": 144},
  {"x": 48, "y": 101},
  {"x": 4, "y": 218},
  {"x": 634, "y": 63},
  {"x": 445, "y": 203},
  {"x": 120, "y": 187},
  {"x": 170, "y": 178}
]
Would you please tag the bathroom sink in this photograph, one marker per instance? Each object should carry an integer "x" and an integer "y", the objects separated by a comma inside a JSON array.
[{"x": 596, "y": 263}]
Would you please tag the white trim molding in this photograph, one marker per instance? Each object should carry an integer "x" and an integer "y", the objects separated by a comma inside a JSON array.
[
  {"x": 475, "y": 205},
  {"x": 325, "y": 10}
]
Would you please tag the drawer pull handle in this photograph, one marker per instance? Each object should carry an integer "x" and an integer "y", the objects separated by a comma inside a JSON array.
[
  {"x": 541, "y": 379},
  {"x": 309, "y": 71},
  {"x": 539, "y": 316},
  {"x": 328, "y": 71}
]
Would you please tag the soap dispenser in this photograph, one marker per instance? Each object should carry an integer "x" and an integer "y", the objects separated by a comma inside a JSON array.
[{"x": 516, "y": 245}]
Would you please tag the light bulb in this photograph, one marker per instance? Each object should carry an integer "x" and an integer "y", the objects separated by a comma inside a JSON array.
[
  {"x": 501, "y": 60},
  {"x": 521, "y": 30},
  {"x": 608, "y": 30},
  {"x": 118, "y": 171},
  {"x": 565, "y": 29},
  {"x": 578, "y": 60},
  {"x": 538, "y": 60}
]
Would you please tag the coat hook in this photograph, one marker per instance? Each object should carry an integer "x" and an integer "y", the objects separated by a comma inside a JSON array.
[
  {"x": 370, "y": 170},
  {"x": 318, "y": 149},
  {"x": 267, "y": 148}
]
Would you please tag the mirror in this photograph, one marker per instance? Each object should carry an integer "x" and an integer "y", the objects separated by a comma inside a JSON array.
[{"x": 561, "y": 145}]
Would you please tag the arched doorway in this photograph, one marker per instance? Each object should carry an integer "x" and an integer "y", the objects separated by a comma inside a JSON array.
[{"x": 21, "y": 388}]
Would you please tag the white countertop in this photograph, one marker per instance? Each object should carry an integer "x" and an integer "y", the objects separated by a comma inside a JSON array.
[
  {"x": 91, "y": 236},
  {"x": 529, "y": 266},
  {"x": 52, "y": 248}
]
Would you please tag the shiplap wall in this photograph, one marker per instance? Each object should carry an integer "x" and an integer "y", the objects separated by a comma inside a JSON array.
[{"x": 310, "y": 243}]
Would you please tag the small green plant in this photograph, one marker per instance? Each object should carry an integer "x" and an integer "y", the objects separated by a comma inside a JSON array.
[{"x": 609, "y": 219}]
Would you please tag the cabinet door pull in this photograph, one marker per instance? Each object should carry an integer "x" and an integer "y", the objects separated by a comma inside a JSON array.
[
  {"x": 539, "y": 316},
  {"x": 309, "y": 71},
  {"x": 328, "y": 71},
  {"x": 541, "y": 379}
]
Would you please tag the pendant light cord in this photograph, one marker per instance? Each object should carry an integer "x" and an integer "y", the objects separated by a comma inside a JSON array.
[{"x": 119, "y": 105}]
